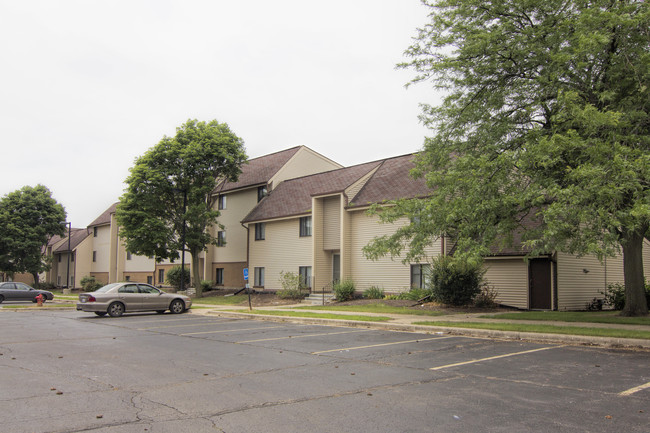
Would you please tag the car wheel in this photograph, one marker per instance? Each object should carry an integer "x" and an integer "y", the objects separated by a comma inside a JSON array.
[
  {"x": 100, "y": 313},
  {"x": 160, "y": 311},
  {"x": 116, "y": 309},
  {"x": 177, "y": 306}
]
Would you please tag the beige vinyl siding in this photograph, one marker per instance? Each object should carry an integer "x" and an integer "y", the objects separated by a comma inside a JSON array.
[
  {"x": 303, "y": 163},
  {"x": 143, "y": 264},
  {"x": 575, "y": 286},
  {"x": 332, "y": 223},
  {"x": 386, "y": 273},
  {"x": 281, "y": 250},
  {"x": 509, "y": 277},
  {"x": 353, "y": 190},
  {"x": 101, "y": 244},
  {"x": 83, "y": 260},
  {"x": 614, "y": 270},
  {"x": 238, "y": 205}
]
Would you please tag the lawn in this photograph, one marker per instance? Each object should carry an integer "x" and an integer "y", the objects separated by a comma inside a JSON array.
[
  {"x": 316, "y": 315},
  {"x": 221, "y": 300},
  {"x": 375, "y": 308},
  {"x": 573, "y": 316},
  {"x": 545, "y": 329}
]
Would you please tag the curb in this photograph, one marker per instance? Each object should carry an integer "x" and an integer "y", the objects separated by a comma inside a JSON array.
[{"x": 568, "y": 339}]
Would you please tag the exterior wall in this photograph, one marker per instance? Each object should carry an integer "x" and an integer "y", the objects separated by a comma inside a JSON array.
[
  {"x": 233, "y": 275},
  {"x": 303, "y": 163},
  {"x": 139, "y": 264},
  {"x": 579, "y": 280},
  {"x": 100, "y": 277},
  {"x": 331, "y": 223},
  {"x": 83, "y": 260},
  {"x": 102, "y": 246},
  {"x": 238, "y": 205},
  {"x": 282, "y": 250},
  {"x": 386, "y": 273},
  {"x": 139, "y": 277},
  {"x": 510, "y": 279}
]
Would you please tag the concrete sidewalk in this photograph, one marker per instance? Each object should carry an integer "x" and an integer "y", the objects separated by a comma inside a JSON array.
[{"x": 406, "y": 322}]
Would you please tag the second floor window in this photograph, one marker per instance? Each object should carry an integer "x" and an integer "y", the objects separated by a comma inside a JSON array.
[
  {"x": 94, "y": 256},
  {"x": 222, "y": 202},
  {"x": 94, "y": 232},
  {"x": 260, "y": 229},
  {"x": 128, "y": 255},
  {"x": 221, "y": 238},
  {"x": 262, "y": 192},
  {"x": 305, "y": 226}
]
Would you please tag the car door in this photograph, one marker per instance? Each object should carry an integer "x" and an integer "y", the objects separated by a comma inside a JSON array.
[
  {"x": 152, "y": 298},
  {"x": 9, "y": 292},
  {"x": 24, "y": 292},
  {"x": 130, "y": 297}
]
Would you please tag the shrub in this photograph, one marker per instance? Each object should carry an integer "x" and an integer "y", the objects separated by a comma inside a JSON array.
[
  {"x": 46, "y": 286},
  {"x": 487, "y": 297},
  {"x": 416, "y": 294},
  {"x": 174, "y": 277},
  {"x": 614, "y": 295},
  {"x": 455, "y": 282},
  {"x": 344, "y": 290},
  {"x": 90, "y": 284},
  {"x": 291, "y": 287},
  {"x": 206, "y": 285},
  {"x": 373, "y": 293}
]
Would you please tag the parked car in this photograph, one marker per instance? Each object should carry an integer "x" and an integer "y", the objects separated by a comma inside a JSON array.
[
  {"x": 116, "y": 299},
  {"x": 11, "y": 291}
]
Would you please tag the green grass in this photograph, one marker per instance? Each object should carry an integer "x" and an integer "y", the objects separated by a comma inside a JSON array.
[
  {"x": 316, "y": 315},
  {"x": 546, "y": 329},
  {"x": 374, "y": 308},
  {"x": 574, "y": 316},
  {"x": 221, "y": 300}
]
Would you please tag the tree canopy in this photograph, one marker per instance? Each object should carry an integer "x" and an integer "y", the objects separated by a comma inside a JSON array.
[
  {"x": 169, "y": 191},
  {"x": 545, "y": 117},
  {"x": 29, "y": 218}
]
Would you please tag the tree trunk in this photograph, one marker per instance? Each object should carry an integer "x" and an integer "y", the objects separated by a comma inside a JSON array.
[
  {"x": 196, "y": 276},
  {"x": 635, "y": 300},
  {"x": 35, "y": 275}
]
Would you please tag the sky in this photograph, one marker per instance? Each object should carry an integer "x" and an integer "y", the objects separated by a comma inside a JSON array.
[{"x": 87, "y": 86}]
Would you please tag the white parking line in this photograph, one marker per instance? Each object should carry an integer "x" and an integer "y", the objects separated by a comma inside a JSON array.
[
  {"x": 180, "y": 326},
  {"x": 300, "y": 336},
  {"x": 232, "y": 330},
  {"x": 635, "y": 389},
  {"x": 473, "y": 361},
  {"x": 379, "y": 345}
]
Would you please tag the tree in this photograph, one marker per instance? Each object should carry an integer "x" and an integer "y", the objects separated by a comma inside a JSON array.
[
  {"x": 169, "y": 192},
  {"x": 29, "y": 218},
  {"x": 545, "y": 117}
]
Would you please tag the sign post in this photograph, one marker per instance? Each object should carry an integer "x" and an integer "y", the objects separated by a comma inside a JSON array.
[{"x": 247, "y": 288}]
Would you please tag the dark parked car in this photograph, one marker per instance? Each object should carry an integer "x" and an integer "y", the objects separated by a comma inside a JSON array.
[
  {"x": 10, "y": 291},
  {"x": 119, "y": 298}
]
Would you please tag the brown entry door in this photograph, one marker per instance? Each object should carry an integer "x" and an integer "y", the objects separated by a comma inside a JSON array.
[{"x": 540, "y": 284}]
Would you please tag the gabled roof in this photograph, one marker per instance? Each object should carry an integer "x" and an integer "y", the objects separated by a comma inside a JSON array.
[
  {"x": 293, "y": 197},
  {"x": 78, "y": 235},
  {"x": 258, "y": 171},
  {"x": 392, "y": 181},
  {"x": 104, "y": 218}
]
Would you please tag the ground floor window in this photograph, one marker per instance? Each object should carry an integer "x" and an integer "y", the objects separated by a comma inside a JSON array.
[
  {"x": 305, "y": 276},
  {"x": 149, "y": 279},
  {"x": 420, "y": 276},
  {"x": 259, "y": 277},
  {"x": 161, "y": 276},
  {"x": 219, "y": 277}
]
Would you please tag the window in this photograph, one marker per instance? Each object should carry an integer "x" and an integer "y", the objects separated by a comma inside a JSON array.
[
  {"x": 221, "y": 238},
  {"x": 71, "y": 257},
  {"x": 420, "y": 276},
  {"x": 219, "y": 277},
  {"x": 149, "y": 279},
  {"x": 94, "y": 232},
  {"x": 262, "y": 192},
  {"x": 222, "y": 202},
  {"x": 305, "y": 226},
  {"x": 58, "y": 279},
  {"x": 259, "y": 277},
  {"x": 94, "y": 256},
  {"x": 161, "y": 276},
  {"x": 305, "y": 276},
  {"x": 59, "y": 259},
  {"x": 128, "y": 255},
  {"x": 128, "y": 278},
  {"x": 260, "y": 229}
]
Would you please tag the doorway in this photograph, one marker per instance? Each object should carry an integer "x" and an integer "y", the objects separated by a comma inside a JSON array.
[{"x": 540, "y": 287}]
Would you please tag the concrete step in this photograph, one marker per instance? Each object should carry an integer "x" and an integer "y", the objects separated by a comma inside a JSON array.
[{"x": 317, "y": 298}]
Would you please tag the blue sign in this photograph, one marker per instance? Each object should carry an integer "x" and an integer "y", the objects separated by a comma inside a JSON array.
[{"x": 245, "y": 274}]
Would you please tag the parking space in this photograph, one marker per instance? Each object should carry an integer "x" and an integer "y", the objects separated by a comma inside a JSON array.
[{"x": 150, "y": 370}]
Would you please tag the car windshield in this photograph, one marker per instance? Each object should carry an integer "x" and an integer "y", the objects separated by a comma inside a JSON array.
[{"x": 106, "y": 288}]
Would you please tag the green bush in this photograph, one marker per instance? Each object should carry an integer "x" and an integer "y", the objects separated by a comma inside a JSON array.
[
  {"x": 373, "y": 293},
  {"x": 206, "y": 285},
  {"x": 45, "y": 286},
  {"x": 415, "y": 294},
  {"x": 344, "y": 290},
  {"x": 90, "y": 284},
  {"x": 455, "y": 282},
  {"x": 291, "y": 286},
  {"x": 614, "y": 295},
  {"x": 487, "y": 297},
  {"x": 174, "y": 277}
]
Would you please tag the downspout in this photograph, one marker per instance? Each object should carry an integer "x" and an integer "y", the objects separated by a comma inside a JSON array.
[{"x": 248, "y": 243}]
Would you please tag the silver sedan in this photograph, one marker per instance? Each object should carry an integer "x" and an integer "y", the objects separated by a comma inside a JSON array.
[{"x": 118, "y": 298}]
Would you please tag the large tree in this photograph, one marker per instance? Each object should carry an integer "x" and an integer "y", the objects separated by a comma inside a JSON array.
[
  {"x": 545, "y": 116},
  {"x": 29, "y": 218},
  {"x": 169, "y": 192}
]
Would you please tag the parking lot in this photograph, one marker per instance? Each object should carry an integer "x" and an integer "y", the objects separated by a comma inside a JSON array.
[{"x": 67, "y": 371}]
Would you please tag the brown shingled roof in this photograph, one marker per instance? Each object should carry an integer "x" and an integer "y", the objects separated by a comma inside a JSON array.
[
  {"x": 104, "y": 218},
  {"x": 392, "y": 181},
  {"x": 258, "y": 171},
  {"x": 293, "y": 197},
  {"x": 78, "y": 235}
]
